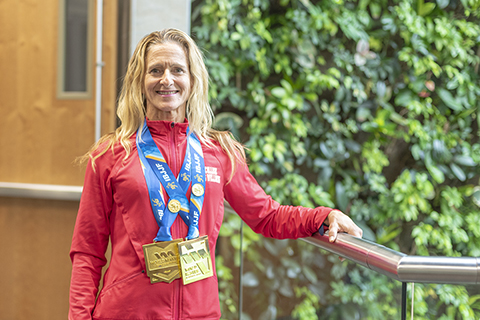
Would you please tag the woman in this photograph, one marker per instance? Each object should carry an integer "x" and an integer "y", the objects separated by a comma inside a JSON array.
[{"x": 162, "y": 229}]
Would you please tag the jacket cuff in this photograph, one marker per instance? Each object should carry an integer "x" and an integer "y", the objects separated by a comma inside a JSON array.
[{"x": 322, "y": 229}]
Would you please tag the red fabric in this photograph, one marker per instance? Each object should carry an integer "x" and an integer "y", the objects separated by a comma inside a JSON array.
[{"x": 115, "y": 204}]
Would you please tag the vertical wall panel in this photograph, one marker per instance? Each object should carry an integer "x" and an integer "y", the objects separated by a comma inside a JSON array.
[
  {"x": 35, "y": 269},
  {"x": 40, "y": 134},
  {"x": 148, "y": 16}
]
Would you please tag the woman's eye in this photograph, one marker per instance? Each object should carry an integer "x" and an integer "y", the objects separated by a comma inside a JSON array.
[{"x": 179, "y": 70}]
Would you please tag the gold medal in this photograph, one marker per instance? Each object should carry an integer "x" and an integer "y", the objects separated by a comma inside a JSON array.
[
  {"x": 174, "y": 206},
  {"x": 195, "y": 260},
  {"x": 197, "y": 189},
  {"x": 162, "y": 261}
]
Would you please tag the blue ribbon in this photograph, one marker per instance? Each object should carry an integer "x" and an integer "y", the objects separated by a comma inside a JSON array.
[{"x": 158, "y": 174}]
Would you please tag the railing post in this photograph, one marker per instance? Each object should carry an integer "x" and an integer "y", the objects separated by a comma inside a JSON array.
[
  {"x": 240, "y": 281},
  {"x": 404, "y": 301}
]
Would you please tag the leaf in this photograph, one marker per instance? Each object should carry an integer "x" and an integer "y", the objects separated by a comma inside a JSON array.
[
  {"x": 449, "y": 100},
  {"x": 426, "y": 8},
  {"x": 326, "y": 150},
  {"x": 318, "y": 162},
  {"x": 279, "y": 92},
  {"x": 442, "y": 4},
  {"x": 309, "y": 274},
  {"x": 359, "y": 60},
  {"x": 416, "y": 151},
  {"x": 476, "y": 196},
  {"x": 235, "y": 36},
  {"x": 250, "y": 280},
  {"x": 228, "y": 121},
  {"x": 389, "y": 236},
  {"x": 341, "y": 196},
  {"x": 271, "y": 247},
  {"x": 403, "y": 98},
  {"x": 363, "y": 46},
  {"x": 286, "y": 289},
  {"x": 368, "y": 233},
  {"x": 375, "y": 9},
  {"x": 458, "y": 172},
  {"x": 288, "y": 87},
  {"x": 465, "y": 161},
  {"x": 268, "y": 151},
  {"x": 436, "y": 173},
  {"x": 398, "y": 119}
]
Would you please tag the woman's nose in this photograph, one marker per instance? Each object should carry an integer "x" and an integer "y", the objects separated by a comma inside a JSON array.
[{"x": 167, "y": 79}]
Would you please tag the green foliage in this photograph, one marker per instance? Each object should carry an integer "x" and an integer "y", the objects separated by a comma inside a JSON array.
[
  {"x": 307, "y": 309},
  {"x": 369, "y": 106}
]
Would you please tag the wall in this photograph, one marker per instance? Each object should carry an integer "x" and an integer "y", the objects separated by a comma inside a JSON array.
[{"x": 40, "y": 137}]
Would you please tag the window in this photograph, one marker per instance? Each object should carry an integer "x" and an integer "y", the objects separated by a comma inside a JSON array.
[{"x": 75, "y": 54}]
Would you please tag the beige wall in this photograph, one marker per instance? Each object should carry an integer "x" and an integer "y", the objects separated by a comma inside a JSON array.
[{"x": 40, "y": 136}]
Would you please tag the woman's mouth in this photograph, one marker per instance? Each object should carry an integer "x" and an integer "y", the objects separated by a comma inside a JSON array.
[{"x": 166, "y": 93}]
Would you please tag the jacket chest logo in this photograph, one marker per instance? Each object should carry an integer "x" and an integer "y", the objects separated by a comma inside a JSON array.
[{"x": 212, "y": 174}]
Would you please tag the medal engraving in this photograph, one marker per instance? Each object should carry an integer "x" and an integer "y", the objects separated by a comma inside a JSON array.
[
  {"x": 195, "y": 260},
  {"x": 197, "y": 190},
  {"x": 174, "y": 206},
  {"x": 162, "y": 261}
]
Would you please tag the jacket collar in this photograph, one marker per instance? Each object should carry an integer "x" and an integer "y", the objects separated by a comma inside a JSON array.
[{"x": 160, "y": 127}]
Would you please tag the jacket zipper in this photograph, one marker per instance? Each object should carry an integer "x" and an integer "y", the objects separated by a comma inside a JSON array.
[{"x": 176, "y": 291}]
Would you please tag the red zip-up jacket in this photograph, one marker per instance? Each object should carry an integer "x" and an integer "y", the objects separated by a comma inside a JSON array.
[{"x": 115, "y": 204}]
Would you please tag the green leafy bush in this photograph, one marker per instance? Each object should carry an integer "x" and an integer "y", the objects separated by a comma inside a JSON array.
[{"x": 369, "y": 106}]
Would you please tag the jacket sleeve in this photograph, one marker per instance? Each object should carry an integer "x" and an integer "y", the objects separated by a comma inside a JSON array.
[
  {"x": 266, "y": 216},
  {"x": 90, "y": 240}
]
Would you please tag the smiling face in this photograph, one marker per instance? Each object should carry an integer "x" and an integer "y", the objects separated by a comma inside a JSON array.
[{"x": 167, "y": 83}]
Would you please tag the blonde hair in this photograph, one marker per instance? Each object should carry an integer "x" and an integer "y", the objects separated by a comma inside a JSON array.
[{"x": 132, "y": 109}]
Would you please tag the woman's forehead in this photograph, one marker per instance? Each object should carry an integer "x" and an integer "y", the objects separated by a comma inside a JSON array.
[{"x": 169, "y": 49}]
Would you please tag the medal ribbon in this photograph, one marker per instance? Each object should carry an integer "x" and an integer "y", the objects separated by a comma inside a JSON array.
[{"x": 158, "y": 174}]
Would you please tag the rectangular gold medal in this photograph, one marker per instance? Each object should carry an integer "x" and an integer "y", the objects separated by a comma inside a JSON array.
[
  {"x": 195, "y": 260},
  {"x": 162, "y": 261}
]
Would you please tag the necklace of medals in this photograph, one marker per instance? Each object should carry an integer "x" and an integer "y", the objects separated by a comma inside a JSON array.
[{"x": 165, "y": 257}]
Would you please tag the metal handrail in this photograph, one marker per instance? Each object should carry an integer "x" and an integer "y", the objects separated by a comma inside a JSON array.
[
  {"x": 399, "y": 266},
  {"x": 40, "y": 191}
]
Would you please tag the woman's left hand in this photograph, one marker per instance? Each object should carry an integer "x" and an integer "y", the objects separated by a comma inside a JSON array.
[{"x": 337, "y": 222}]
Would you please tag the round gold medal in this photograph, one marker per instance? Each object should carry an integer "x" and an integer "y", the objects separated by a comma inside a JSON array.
[
  {"x": 174, "y": 206},
  {"x": 197, "y": 189}
]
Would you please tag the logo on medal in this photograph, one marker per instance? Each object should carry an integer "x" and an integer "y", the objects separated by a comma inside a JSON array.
[
  {"x": 174, "y": 206},
  {"x": 185, "y": 176},
  {"x": 195, "y": 260},
  {"x": 197, "y": 189},
  {"x": 162, "y": 261}
]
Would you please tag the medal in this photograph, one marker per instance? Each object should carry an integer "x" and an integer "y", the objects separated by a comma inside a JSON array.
[
  {"x": 197, "y": 190},
  {"x": 195, "y": 260},
  {"x": 162, "y": 261},
  {"x": 174, "y": 206}
]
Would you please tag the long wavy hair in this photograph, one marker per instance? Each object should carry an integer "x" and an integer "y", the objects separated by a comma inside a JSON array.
[{"x": 132, "y": 107}]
